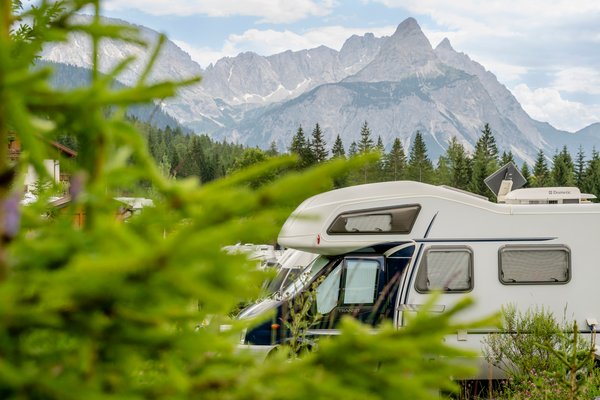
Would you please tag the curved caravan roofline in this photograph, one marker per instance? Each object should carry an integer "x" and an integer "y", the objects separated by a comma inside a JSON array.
[
  {"x": 393, "y": 189},
  {"x": 351, "y": 218},
  {"x": 372, "y": 213}
]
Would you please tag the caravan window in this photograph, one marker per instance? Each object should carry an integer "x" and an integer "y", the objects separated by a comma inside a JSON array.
[
  {"x": 534, "y": 265},
  {"x": 361, "y": 278},
  {"x": 376, "y": 221},
  {"x": 446, "y": 268},
  {"x": 353, "y": 282},
  {"x": 328, "y": 291}
]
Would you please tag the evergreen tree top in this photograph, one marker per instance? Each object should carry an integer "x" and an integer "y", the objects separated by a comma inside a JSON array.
[
  {"x": 317, "y": 145},
  {"x": 365, "y": 143},
  {"x": 338, "y": 148}
]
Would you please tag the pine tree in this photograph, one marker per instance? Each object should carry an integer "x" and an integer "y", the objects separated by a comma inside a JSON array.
[
  {"x": 365, "y": 143},
  {"x": 152, "y": 143},
  {"x": 301, "y": 147},
  {"x": 338, "y": 148},
  {"x": 526, "y": 174},
  {"x": 353, "y": 150},
  {"x": 298, "y": 142},
  {"x": 217, "y": 166},
  {"x": 272, "y": 152},
  {"x": 165, "y": 167},
  {"x": 485, "y": 162},
  {"x": 541, "y": 173},
  {"x": 580, "y": 167},
  {"x": 458, "y": 164},
  {"x": 563, "y": 171},
  {"x": 442, "y": 171},
  {"x": 317, "y": 145},
  {"x": 419, "y": 167},
  {"x": 380, "y": 165},
  {"x": 591, "y": 180},
  {"x": 395, "y": 162},
  {"x": 506, "y": 158},
  {"x": 364, "y": 146},
  {"x": 198, "y": 163},
  {"x": 379, "y": 146}
]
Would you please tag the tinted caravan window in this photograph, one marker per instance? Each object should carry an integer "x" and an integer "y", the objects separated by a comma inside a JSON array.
[
  {"x": 449, "y": 269},
  {"x": 376, "y": 221},
  {"x": 534, "y": 265}
]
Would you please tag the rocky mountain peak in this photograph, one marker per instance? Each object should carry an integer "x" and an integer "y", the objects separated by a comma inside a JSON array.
[
  {"x": 444, "y": 45},
  {"x": 406, "y": 53},
  {"x": 408, "y": 38},
  {"x": 409, "y": 29},
  {"x": 358, "y": 51},
  {"x": 355, "y": 42}
]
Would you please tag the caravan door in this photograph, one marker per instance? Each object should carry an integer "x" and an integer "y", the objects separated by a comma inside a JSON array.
[
  {"x": 363, "y": 286},
  {"x": 351, "y": 288}
]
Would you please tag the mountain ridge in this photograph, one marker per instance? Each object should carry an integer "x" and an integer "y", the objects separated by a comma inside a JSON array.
[{"x": 399, "y": 84}]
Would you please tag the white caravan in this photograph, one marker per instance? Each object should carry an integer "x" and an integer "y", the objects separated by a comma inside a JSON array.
[{"x": 386, "y": 246}]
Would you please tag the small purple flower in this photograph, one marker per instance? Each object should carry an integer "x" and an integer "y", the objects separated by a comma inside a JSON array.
[
  {"x": 12, "y": 214},
  {"x": 76, "y": 185}
]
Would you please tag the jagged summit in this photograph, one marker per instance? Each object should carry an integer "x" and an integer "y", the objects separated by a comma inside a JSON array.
[
  {"x": 409, "y": 29},
  {"x": 407, "y": 52},
  {"x": 410, "y": 41},
  {"x": 444, "y": 45},
  {"x": 407, "y": 26}
]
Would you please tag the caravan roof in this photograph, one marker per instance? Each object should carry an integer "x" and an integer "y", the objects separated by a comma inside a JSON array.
[{"x": 355, "y": 217}]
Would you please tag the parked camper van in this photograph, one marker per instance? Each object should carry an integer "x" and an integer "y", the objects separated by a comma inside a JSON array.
[{"x": 384, "y": 247}]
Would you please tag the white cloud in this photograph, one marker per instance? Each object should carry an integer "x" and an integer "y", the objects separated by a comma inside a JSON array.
[
  {"x": 504, "y": 72},
  {"x": 267, "y": 10},
  {"x": 515, "y": 40},
  {"x": 533, "y": 32},
  {"x": 497, "y": 15},
  {"x": 547, "y": 105},
  {"x": 268, "y": 42},
  {"x": 578, "y": 79}
]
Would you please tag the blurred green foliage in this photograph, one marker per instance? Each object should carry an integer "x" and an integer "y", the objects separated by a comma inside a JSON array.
[{"x": 131, "y": 310}]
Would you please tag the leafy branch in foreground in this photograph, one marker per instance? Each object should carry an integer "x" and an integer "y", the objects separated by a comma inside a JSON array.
[{"x": 132, "y": 310}]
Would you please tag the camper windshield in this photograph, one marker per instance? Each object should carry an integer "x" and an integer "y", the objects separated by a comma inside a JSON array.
[
  {"x": 258, "y": 308},
  {"x": 311, "y": 271},
  {"x": 291, "y": 264}
]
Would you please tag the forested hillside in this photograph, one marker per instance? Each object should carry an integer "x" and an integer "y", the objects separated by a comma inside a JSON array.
[{"x": 181, "y": 155}]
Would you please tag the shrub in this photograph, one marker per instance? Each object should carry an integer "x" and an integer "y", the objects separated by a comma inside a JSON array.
[{"x": 540, "y": 357}]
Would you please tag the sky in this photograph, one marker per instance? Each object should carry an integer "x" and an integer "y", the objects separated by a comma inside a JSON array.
[{"x": 546, "y": 52}]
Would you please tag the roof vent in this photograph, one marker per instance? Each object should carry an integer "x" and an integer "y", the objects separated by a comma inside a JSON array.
[{"x": 548, "y": 195}]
